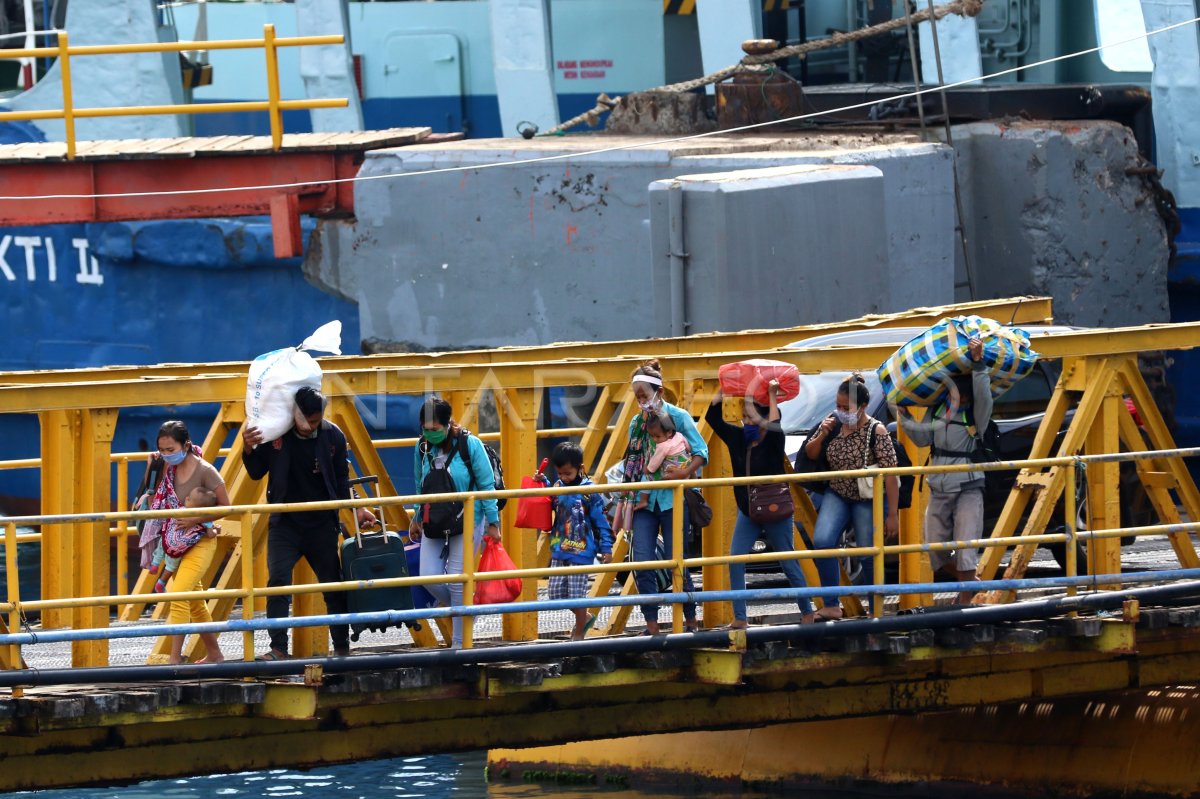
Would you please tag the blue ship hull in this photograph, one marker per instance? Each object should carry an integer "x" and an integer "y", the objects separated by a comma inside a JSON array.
[{"x": 152, "y": 292}]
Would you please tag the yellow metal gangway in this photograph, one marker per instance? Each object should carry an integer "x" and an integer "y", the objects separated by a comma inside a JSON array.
[{"x": 78, "y": 419}]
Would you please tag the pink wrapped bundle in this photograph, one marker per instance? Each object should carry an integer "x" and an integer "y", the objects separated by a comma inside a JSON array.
[{"x": 751, "y": 378}]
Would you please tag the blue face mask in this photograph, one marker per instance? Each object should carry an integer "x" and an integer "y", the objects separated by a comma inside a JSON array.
[
  {"x": 750, "y": 431},
  {"x": 174, "y": 458}
]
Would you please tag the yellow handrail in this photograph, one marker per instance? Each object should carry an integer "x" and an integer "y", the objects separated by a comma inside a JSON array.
[
  {"x": 14, "y": 607},
  {"x": 274, "y": 105}
]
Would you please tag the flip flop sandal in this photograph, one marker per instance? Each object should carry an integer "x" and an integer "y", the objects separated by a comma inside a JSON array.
[
  {"x": 590, "y": 623},
  {"x": 271, "y": 657}
]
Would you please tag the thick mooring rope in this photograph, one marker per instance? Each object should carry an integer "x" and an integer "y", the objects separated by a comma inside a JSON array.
[{"x": 964, "y": 8}]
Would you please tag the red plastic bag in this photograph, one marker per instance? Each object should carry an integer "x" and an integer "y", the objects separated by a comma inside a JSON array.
[
  {"x": 750, "y": 378},
  {"x": 495, "y": 559},
  {"x": 534, "y": 513}
]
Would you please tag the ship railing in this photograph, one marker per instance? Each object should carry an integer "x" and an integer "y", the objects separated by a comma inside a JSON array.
[
  {"x": 879, "y": 550},
  {"x": 274, "y": 105},
  {"x": 121, "y": 530}
]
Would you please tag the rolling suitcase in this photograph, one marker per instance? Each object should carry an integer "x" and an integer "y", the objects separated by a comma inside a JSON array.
[{"x": 374, "y": 556}]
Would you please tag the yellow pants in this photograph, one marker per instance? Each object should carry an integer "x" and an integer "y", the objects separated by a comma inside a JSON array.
[{"x": 192, "y": 567}]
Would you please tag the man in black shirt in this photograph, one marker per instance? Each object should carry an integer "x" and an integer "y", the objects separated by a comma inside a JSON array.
[{"x": 306, "y": 464}]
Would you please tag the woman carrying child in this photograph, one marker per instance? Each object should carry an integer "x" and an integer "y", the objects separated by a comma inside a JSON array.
[
  {"x": 178, "y": 536},
  {"x": 185, "y": 471},
  {"x": 580, "y": 533},
  {"x": 646, "y": 384},
  {"x": 756, "y": 449},
  {"x": 670, "y": 450}
]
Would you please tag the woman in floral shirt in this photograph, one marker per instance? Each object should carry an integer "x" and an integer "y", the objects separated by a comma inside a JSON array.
[{"x": 850, "y": 439}]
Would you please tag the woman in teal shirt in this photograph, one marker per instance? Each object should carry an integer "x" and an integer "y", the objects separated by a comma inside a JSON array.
[
  {"x": 441, "y": 447},
  {"x": 655, "y": 519}
]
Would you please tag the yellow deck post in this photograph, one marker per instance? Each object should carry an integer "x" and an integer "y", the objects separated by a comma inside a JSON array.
[
  {"x": 518, "y": 452},
  {"x": 12, "y": 652},
  {"x": 122, "y": 528},
  {"x": 68, "y": 109},
  {"x": 60, "y": 447},
  {"x": 92, "y": 539},
  {"x": 469, "y": 559},
  {"x": 715, "y": 539},
  {"x": 246, "y": 552},
  {"x": 275, "y": 114},
  {"x": 914, "y": 566},
  {"x": 1104, "y": 496}
]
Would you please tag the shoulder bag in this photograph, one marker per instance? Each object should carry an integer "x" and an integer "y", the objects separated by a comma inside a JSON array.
[
  {"x": 768, "y": 502},
  {"x": 866, "y": 483}
]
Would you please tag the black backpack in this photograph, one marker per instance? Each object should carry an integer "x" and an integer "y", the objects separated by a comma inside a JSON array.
[
  {"x": 440, "y": 519},
  {"x": 464, "y": 450}
]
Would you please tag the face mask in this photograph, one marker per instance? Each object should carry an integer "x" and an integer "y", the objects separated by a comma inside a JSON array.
[
  {"x": 651, "y": 405},
  {"x": 174, "y": 458},
  {"x": 434, "y": 436},
  {"x": 846, "y": 417},
  {"x": 750, "y": 431}
]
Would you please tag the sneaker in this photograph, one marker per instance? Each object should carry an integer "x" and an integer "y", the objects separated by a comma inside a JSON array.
[{"x": 160, "y": 587}]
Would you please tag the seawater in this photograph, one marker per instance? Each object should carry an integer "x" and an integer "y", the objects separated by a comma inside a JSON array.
[{"x": 430, "y": 777}]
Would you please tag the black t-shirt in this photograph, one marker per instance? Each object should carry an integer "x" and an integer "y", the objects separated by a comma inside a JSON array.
[
  {"x": 766, "y": 457},
  {"x": 306, "y": 484}
]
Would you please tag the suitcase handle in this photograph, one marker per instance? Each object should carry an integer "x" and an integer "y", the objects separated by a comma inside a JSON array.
[{"x": 360, "y": 481}]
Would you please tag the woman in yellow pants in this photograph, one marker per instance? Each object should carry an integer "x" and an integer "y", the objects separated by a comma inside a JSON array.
[{"x": 185, "y": 471}]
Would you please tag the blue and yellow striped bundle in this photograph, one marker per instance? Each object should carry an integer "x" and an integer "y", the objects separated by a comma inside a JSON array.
[{"x": 917, "y": 373}]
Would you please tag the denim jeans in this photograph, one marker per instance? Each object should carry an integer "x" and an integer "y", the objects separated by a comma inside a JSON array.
[
  {"x": 836, "y": 511},
  {"x": 779, "y": 536},
  {"x": 646, "y": 526}
]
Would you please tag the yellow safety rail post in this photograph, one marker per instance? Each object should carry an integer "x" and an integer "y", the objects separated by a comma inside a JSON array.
[
  {"x": 878, "y": 576},
  {"x": 68, "y": 109},
  {"x": 518, "y": 409},
  {"x": 468, "y": 583},
  {"x": 1071, "y": 512},
  {"x": 247, "y": 546},
  {"x": 677, "y": 553},
  {"x": 914, "y": 566},
  {"x": 122, "y": 531},
  {"x": 273, "y": 86},
  {"x": 14, "y": 594}
]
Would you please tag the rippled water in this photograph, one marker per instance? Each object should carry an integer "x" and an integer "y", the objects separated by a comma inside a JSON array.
[{"x": 434, "y": 777}]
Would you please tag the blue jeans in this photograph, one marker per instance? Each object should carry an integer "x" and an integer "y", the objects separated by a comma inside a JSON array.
[
  {"x": 646, "y": 526},
  {"x": 836, "y": 511},
  {"x": 779, "y": 536}
]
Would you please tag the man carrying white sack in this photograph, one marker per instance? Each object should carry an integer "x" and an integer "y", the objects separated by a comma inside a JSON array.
[
  {"x": 306, "y": 464},
  {"x": 953, "y": 431}
]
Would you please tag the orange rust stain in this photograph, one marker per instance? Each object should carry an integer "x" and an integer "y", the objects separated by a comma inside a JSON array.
[
  {"x": 532, "y": 228},
  {"x": 571, "y": 230}
]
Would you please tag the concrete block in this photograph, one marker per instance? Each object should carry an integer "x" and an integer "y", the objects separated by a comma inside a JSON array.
[
  {"x": 564, "y": 246},
  {"x": 1050, "y": 210},
  {"x": 771, "y": 247}
]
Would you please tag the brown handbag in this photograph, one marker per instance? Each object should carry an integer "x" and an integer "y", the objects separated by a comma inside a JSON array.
[{"x": 769, "y": 502}]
